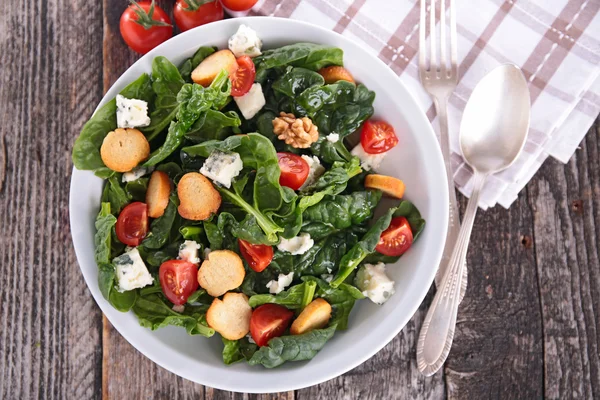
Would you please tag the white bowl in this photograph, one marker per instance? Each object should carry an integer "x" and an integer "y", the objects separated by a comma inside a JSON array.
[{"x": 417, "y": 160}]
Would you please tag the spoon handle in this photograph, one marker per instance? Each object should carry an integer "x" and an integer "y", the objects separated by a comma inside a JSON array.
[{"x": 437, "y": 332}]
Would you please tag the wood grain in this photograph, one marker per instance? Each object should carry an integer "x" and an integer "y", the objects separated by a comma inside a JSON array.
[
  {"x": 51, "y": 81},
  {"x": 528, "y": 327}
]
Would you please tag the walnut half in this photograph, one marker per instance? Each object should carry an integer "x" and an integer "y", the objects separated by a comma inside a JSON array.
[{"x": 297, "y": 132}]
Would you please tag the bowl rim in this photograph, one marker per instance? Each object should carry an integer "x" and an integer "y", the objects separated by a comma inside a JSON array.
[{"x": 310, "y": 379}]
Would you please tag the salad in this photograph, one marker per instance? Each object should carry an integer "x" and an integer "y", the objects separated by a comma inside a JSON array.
[{"x": 233, "y": 203}]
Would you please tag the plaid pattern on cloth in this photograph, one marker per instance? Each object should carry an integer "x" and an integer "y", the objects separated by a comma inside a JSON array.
[{"x": 555, "y": 42}]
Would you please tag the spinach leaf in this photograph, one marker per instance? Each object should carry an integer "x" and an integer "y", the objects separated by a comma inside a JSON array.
[
  {"x": 332, "y": 182},
  {"x": 291, "y": 298},
  {"x": 166, "y": 83},
  {"x": 237, "y": 350},
  {"x": 417, "y": 224},
  {"x": 292, "y": 348},
  {"x": 330, "y": 152},
  {"x": 173, "y": 170},
  {"x": 213, "y": 125},
  {"x": 86, "y": 150},
  {"x": 193, "y": 101},
  {"x": 306, "y": 55},
  {"x": 154, "y": 258},
  {"x": 341, "y": 299},
  {"x": 123, "y": 301},
  {"x": 199, "y": 296},
  {"x": 105, "y": 222},
  {"x": 136, "y": 190},
  {"x": 117, "y": 196},
  {"x": 104, "y": 173},
  {"x": 362, "y": 249},
  {"x": 154, "y": 313},
  {"x": 160, "y": 229},
  {"x": 297, "y": 80},
  {"x": 323, "y": 257},
  {"x": 340, "y": 212},
  {"x": 195, "y": 233}
]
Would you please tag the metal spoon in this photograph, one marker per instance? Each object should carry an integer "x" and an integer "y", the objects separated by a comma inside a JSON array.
[{"x": 492, "y": 134}]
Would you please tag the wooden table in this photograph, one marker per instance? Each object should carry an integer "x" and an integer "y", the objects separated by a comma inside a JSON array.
[{"x": 529, "y": 325}]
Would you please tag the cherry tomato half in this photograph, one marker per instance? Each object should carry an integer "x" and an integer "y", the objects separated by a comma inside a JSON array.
[
  {"x": 144, "y": 26},
  {"x": 377, "y": 137},
  {"x": 132, "y": 224},
  {"x": 396, "y": 239},
  {"x": 258, "y": 256},
  {"x": 243, "y": 78},
  {"x": 269, "y": 321},
  {"x": 192, "y": 13},
  {"x": 294, "y": 170},
  {"x": 239, "y": 5},
  {"x": 178, "y": 280}
]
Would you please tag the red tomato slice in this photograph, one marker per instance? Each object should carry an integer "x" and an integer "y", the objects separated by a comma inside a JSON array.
[
  {"x": 258, "y": 256},
  {"x": 239, "y": 5},
  {"x": 269, "y": 321},
  {"x": 294, "y": 170},
  {"x": 187, "y": 18},
  {"x": 243, "y": 78},
  {"x": 178, "y": 280},
  {"x": 377, "y": 137},
  {"x": 396, "y": 239},
  {"x": 132, "y": 224},
  {"x": 144, "y": 26}
]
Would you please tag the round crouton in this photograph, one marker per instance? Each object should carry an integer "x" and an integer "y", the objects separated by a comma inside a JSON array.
[
  {"x": 157, "y": 195},
  {"x": 198, "y": 199},
  {"x": 389, "y": 185},
  {"x": 123, "y": 149},
  {"x": 210, "y": 67},
  {"x": 314, "y": 316},
  {"x": 230, "y": 316},
  {"x": 221, "y": 272}
]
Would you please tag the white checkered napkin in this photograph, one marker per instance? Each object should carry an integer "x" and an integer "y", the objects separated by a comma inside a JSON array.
[{"x": 555, "y": 42}]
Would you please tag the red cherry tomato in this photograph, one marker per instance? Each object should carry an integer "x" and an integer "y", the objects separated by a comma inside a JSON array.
[
  {"x": 269, "y": 321},
  {"x": 396, "y": 239},
  {"x": 144, "y": 26},
  {"x": 377, "y": 137},
  {"x": 243, "y": 78},
  {"x": 239, "y": 5},
  {"x": 192, "y": 13},
  {"x": 132, "y": 224},
  {"x": 294, "y": 170},
  {"x": 258, "y": 256},
  {"x": 178, "y": 280}
]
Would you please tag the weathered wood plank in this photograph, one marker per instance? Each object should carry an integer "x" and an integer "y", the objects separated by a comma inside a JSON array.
[
  {"x": 497, "y": 351},
  {"x": 566, "y": 206},
  {"x": 49, "y": 324}
]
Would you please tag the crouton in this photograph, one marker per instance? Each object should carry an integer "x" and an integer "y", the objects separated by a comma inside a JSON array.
[
  {"x": 198, "y": 199},
  {"x": 123, "y": 149},
  {"x": 157, "y": 195},
  {"x": 336, "y": 73},
  {"x": 230, "y": 316},
  {"x": 314, "y": 316},
  {"x": 389, "y": 185},
  {"x": 221, "y": 272},
  {"x": 210, "y": 67}
]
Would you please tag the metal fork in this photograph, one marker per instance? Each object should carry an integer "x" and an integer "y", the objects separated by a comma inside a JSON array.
[{"x": 440, "y": 80}]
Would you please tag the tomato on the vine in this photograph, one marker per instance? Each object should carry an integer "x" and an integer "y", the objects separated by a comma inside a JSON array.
[
  {"x": 192, "y": 13},
  {"x": 239, "y": 5},
  {"x": 144, "y": 25}
]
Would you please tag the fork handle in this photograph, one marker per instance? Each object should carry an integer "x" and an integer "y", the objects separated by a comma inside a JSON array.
[
  {"x": 437, "y": 332},
  {"x": 441, "y": 107}
]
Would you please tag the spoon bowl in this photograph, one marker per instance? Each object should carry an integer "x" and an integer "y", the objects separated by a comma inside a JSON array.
[{"x": 496, "y": 120}]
